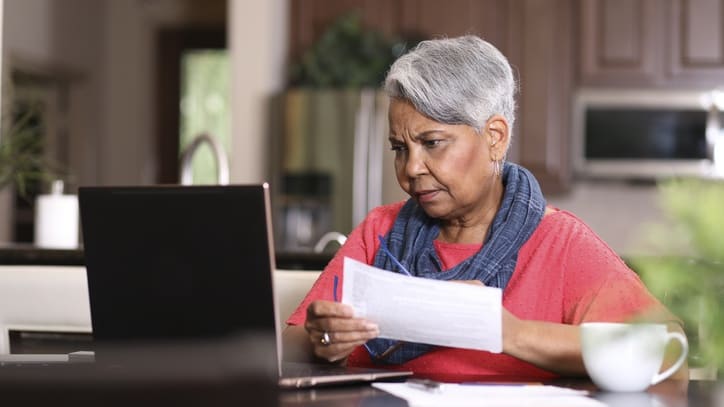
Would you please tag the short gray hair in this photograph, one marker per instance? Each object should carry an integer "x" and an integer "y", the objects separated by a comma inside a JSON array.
[{"x": 463, "y": 80}]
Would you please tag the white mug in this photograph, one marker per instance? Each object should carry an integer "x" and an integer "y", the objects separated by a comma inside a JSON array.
[{"x": 627, "y": 357}]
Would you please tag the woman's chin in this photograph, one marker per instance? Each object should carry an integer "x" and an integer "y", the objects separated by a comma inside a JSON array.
[{"x": 433, "y": 210}]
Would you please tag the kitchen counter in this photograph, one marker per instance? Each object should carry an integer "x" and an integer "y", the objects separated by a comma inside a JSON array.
[{"x": 27, "y": 254}]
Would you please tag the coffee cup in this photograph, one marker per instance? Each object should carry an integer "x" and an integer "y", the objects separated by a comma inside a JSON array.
[{"x": 627, "y": 357}]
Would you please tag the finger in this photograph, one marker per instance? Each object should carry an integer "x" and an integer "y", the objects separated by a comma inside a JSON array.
[
  {"x": 338, "y": 324},
  {"x": 321, "y": 309},
  {"x": 335, "y": 352},
  {"x": 342, "y": 337}
]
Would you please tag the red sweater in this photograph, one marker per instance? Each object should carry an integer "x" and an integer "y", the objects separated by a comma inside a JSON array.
[{"x": 564, "y": 274}]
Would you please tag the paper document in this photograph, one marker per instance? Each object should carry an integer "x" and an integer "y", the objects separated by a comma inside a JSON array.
[
  {"x": 462, "y": 395},
  {"x": 423, "y": 310}
]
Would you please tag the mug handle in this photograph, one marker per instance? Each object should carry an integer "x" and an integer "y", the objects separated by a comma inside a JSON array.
[{"x": 659, "y": 377}]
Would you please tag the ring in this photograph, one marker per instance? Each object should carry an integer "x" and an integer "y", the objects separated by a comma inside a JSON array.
[{"x": 326, "y": 340}]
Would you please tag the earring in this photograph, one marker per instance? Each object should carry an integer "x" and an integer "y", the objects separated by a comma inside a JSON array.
[{"x": 497, "y": 164}]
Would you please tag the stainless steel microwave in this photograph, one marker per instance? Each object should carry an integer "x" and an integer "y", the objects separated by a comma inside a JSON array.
[{"x": 649, "y": 134}]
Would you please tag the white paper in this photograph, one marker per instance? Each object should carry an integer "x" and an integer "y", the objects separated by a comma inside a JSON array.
[
  {"x": 423, "y": 310},
  {"x": 463, "y": 395}
]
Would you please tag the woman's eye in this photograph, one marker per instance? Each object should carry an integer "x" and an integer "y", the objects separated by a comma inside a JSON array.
[
  {"x": 432, "y": 143},
  {"x": 398, "y": 148}
]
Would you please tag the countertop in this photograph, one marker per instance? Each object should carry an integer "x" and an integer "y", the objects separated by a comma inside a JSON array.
[{"x": 27, "y": 254}]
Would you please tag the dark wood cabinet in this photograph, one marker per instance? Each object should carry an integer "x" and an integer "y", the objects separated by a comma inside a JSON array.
[
  {"x": 403, "y": 18},
  {"x": 697, "y": 42},
  {"x": 535, "y": 35},
  {"x": 619, "y": 42},
  {"x": 651, "y": 43},
  {"x": 541, "y": 49}
]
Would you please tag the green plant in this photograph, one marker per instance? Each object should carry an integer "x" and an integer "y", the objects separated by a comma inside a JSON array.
[
  {"x": 23, "y": 163},
  {"x": 347, "y": 55},
  {"x": 689, "y": 279}
]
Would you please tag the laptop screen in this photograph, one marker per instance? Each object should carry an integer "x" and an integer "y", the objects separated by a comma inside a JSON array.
[{"x": 177, "y": 262}]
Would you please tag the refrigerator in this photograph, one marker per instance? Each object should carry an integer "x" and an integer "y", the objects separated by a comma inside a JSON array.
[{"x": 331, "y": 164}]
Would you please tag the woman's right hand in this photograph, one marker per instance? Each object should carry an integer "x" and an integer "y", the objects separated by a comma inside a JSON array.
[{"x": 344, "y": 331}]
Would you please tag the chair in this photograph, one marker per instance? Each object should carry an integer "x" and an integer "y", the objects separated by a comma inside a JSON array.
[
  {"x": 55, "y": 298},
  {"x": 43, "y": 298},
  {"x": 290, "y": 288}
]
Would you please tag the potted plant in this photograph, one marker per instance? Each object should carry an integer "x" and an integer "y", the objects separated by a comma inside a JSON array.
[
  {"x": 347, "y": 55},
  {"x": 26, "y": 167},
  {"x": 689, "y": 278},
  {"x": 23, "y": 163}
]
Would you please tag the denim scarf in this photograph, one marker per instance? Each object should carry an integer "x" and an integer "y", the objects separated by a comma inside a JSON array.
[{"x": 411, "y": 242}]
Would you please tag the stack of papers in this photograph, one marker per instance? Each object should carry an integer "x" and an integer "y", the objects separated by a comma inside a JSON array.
[{"x": 501, "y": 395}]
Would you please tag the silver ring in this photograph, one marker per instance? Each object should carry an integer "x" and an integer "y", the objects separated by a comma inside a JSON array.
[{"x": 326, "y": 340}]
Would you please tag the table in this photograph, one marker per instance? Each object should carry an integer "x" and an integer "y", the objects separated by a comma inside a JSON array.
[{"x": 670, "y": 393}]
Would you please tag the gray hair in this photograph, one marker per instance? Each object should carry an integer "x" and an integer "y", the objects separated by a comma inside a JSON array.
[{"x": 463, "y": 80}]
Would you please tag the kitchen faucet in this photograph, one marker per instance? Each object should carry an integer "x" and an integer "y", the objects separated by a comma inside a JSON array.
[
  {"x": 328, "y": 238},
  {"x": 222, "y": 161}
]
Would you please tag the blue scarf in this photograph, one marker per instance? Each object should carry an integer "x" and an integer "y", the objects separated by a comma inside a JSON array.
[{"x": 411, "y": 242}]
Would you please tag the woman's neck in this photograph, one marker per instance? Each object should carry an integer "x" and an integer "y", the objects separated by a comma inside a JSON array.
[{"x": 473, "y": 227}]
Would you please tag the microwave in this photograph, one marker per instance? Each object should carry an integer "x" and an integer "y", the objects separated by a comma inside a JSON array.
[{"x": 648, "y": 134}]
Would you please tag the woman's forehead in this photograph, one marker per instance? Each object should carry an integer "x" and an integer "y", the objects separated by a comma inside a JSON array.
[{"x": 402, "y": 112}]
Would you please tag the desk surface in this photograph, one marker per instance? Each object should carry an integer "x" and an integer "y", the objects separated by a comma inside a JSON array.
[
  {"x": 169, "y": 384},
  {"x": 667, "y": 394}
]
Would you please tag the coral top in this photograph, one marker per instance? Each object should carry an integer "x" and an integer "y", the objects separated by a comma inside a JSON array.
[{"x": 565, "y": 274}]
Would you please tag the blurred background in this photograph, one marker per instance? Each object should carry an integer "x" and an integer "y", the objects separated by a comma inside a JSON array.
[{"x": 113, "y": 92}]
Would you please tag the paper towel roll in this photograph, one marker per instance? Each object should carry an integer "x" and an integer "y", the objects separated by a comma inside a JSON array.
[{"x": 56, "y": 221}]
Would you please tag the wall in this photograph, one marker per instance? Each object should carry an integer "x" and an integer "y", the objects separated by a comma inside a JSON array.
[
  {"x": 45, "y": 34},
  {"x": 129, "y": 142},
  {"x": 258, "y": 46},
  {"x": 127, "y": 145},
  {"x": 616, "y": 211}
]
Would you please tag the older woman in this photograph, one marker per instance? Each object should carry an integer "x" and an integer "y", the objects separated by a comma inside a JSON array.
[{"x": 471, "y": 217}]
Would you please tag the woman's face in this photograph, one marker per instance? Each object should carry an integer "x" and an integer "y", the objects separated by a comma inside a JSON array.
[{"x": 447, "y": 169}]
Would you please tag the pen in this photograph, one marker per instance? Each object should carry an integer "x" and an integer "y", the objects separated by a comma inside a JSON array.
[
  {"x": 383, "y": 246},
  {"x": 425, "y": 384},
  {"x": 336, "y": 283}
]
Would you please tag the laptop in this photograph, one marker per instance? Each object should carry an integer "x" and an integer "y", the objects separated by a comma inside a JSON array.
[{"x": 170, "y": 263}]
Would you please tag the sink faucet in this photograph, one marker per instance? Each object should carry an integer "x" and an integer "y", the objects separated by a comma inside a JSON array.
[
  {"x": 327, "y": 238},
  {"x": 222, "y": 161}
]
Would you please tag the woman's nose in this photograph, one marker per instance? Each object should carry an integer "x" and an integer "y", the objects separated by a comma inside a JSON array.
[{"x": 415, "y": 164}]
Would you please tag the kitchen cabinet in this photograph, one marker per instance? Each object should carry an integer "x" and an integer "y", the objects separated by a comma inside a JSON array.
[
  {"x": 536, "y": 37},
  {"x": 651, "y": 43},
  {"x": 403, "y": 18},
  {"x": 697, "y": 42}
]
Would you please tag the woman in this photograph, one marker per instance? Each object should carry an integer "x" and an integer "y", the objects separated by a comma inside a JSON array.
[{"x": 472, "y": 218}]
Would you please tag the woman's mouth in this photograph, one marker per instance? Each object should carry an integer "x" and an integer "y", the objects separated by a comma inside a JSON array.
[{"x": 426, "y": 196}]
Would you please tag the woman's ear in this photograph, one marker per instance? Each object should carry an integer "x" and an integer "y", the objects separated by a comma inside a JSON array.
[{"x": 498, "y": 136}]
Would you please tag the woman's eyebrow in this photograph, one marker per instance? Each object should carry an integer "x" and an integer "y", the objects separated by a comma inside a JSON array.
[
  {"x": 427, "y": 133},
  {"x": 393, "y": 138}
]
